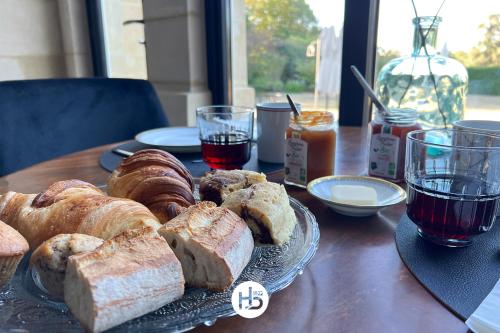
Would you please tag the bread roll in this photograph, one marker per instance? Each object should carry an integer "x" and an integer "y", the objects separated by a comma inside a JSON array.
[
  {"x": 156, "y": 179},
  {"x": 217, "y": 184},
  {"x": 266, "y": 209},
  {"x": 71, "y": 206},
  {"x": 13, "y": 247},
  {"x": 49, "y": 259},
  {"x": 212, "y": 243},
  {"x": 126, "y": 277}
]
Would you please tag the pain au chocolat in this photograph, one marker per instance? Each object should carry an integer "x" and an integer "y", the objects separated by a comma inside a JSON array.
[
  {"x": 49, "y": 259},
  {"x": 266, "y": 209},
  {"x": 218, "y": 184}
]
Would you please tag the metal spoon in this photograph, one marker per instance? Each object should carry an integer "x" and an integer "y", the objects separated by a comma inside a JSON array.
[
  {"x": 369, "y": 91},
  {"x": 296, "y": 112}
]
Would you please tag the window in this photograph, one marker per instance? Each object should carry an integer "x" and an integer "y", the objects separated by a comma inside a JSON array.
[{"x": 292, "y": 46}]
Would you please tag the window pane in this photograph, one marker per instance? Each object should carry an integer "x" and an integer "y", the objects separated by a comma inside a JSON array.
[
  {"x": 292, "y": 46},
  {"x": 124, "y": 38},
  {"x": 469, "y": 32}
]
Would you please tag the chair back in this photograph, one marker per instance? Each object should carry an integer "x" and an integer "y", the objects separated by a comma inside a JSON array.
[{"x": 44, "y": 119}]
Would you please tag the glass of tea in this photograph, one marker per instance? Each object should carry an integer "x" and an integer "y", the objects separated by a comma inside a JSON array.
[
  {"x": 453, "y": 182},
  {"x": 225, "y": 134}
]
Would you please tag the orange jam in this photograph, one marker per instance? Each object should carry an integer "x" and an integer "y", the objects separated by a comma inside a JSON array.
[{"x": 310, "y": 147}]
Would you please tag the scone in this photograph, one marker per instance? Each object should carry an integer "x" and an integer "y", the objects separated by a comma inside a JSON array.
[
  {"x": 266, "y": 209},
  {"x": 50, "y": 259},
  {"x": 13, "y": 246},
  {"x": 126, "y": 277},
  {"x": 216, "y": 185},
  {"x": 213, "y": 244}
]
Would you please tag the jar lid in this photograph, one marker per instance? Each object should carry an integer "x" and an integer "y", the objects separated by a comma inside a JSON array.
[
  {"x": 400, "y": 116},
  {"x": 276, "y": 106},
  {"x": 312, "y": 118}
]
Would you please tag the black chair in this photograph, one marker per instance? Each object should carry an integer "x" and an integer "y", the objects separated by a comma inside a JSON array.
[{"x": 44, "y": 119}]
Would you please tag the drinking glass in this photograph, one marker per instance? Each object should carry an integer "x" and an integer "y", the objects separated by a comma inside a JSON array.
[
  {"x": 453, "y": 182},
  {"x": 225, "y": 134}
]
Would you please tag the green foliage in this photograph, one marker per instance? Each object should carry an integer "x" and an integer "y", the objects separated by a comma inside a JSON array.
[
  {"x": 484, "y": 80},
  {"x": 383, "y": 57},
  {"x": 487, "y": 52},
  {"x": 279, "y": 32}
]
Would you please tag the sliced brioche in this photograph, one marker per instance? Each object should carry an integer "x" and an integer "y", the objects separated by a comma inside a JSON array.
[
  {"x": 217, "y": 184},
  {"x": 126, "y": 277},
  {"x": 13, "y": 247},
  {"x": 213, "y": 244},
  {"x": 266, "y": 209},
  {"x": 49, "y": 259}
]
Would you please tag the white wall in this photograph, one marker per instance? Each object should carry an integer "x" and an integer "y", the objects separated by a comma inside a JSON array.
[{"x": 32, "y": 44}]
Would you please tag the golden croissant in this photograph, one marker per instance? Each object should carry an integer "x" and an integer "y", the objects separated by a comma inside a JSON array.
[
  {"x": 156, "y": 179},
  {"x": 72, "y": 206}
]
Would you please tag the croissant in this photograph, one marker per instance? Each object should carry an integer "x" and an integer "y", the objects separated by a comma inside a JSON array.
[
  {"x": 72, "y": 206},
  {"x": 156, "y": 179}
]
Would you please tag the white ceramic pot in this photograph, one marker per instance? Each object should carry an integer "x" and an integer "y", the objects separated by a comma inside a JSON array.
[{"x": 272, "y": 122}]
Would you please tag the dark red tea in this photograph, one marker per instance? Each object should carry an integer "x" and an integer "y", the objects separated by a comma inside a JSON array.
[
  {"x": 452, "y": 208},
  {"x": 226, "y": 151}
]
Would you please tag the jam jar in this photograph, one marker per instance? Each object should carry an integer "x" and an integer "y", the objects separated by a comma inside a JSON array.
[
  {"x": 310, "y": 147},
  {"x": 388, "y": 142}
]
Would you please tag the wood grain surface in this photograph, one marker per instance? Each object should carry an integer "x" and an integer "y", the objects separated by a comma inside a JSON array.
[{"x": 355, "y": 283}]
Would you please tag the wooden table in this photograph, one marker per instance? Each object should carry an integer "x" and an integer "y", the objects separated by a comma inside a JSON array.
[{"x": 355, "y": 283}]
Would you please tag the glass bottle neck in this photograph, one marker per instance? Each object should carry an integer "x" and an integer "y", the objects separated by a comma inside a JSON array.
[{"x": 425, "y": 35}]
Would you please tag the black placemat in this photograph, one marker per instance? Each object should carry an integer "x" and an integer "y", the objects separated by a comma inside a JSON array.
[
  {"x": 110, "y": 161},
  {"x": 459, "y": 277}
]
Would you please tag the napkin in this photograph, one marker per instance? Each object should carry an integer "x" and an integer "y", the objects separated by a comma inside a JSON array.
[{"x": 486, "y": 318}]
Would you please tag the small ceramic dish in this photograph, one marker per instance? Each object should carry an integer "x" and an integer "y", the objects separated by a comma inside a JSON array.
[{"x": 388, "y": 194}]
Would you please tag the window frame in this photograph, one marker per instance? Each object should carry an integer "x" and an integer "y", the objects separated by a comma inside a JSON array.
[{"x": 97, "y": 38}]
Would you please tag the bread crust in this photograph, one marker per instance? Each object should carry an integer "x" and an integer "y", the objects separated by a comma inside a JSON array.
[
  {"x": 213, "y": 244},
  {"x": 126, "y": 277}
]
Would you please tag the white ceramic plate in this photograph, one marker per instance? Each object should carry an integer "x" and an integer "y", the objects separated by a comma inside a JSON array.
[
  {"x": 388, "y": 194},
  {"x": 172, "y": 139}
]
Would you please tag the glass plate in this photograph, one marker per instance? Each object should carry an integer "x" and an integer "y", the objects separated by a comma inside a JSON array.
[{"x": 24, "y": 306}]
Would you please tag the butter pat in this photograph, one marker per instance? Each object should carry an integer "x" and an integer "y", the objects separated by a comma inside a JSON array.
[{"x": 354, "y": 194}]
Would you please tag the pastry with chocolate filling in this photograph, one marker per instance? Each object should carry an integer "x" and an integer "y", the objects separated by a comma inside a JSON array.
[
  {"x": 216, "y": 185},
  {"x": 266, "y": 209},
  {"x": 49, "y": 259},
  {"x": 212, "y": 243}
]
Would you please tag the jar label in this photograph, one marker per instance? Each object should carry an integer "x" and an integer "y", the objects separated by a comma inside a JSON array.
[
  {"x": 296, "y": 161},
  {"x": 384, "y": 149}
]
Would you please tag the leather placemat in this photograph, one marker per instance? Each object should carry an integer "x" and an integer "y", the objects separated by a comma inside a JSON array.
[
  {"x": 458, "y": 277},
  {"x": 110, "y": 161}
]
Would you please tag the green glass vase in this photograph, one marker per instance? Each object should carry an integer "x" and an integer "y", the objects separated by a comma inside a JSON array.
[{"x": 432, "y": 84}]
